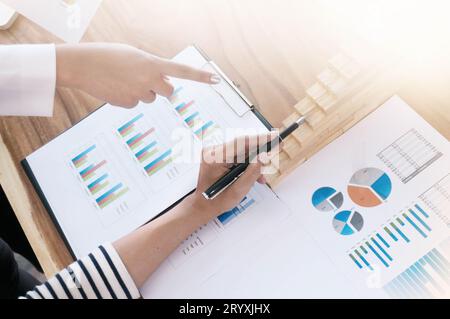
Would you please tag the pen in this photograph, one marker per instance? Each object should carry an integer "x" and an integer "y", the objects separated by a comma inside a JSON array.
[{"x": 237, "y": 170}]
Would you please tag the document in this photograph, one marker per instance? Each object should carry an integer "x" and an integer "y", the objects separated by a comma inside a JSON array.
[
  {"x": 366, "y": 217},
  {"x": 119, "y": 168}
]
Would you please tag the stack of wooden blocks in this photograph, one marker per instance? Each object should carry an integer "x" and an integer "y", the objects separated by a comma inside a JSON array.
[{"x": 345, "y": 92}]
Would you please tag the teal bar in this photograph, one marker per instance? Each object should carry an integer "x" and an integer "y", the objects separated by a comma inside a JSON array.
[
  {"x": 90, "y": 149},
  {"x": 377, "y": 254},
  {"x": 420, "y": 231},
  {"x": 420, "y": 286},
  {"x": 438, "y": 262},
  {"x": 355, "y": 261},
  {"x": 363, "y": 260},
  {"x": 383, "y": 241},
  {"x": 442, "y": 258},
  {"x": 411, "y": 284},
  {"x": 420, "y": 220},
  {"x": 134, "y": 138},
  {"x": 421, "y": 210},
  {"x": 427, "y": 276},
  {"x": 382, "y": 249},
  {"x": 98, "y": 180},
  {"x": 435, "y": 267},
  {"x": 127, "y": 124},
  {"x": 145, "y": 149},
  {"x": 409, "y": 290},
  {"x": 400, "y": 232}
]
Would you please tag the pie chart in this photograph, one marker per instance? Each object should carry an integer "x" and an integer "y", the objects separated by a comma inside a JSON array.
[
  {"x": 369, "y": 187},
  {"x": 327, "y": 199},
  {"x": 348, "y": 222}
]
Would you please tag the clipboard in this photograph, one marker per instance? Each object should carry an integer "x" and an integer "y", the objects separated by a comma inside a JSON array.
[{"x": 227, "y": 86}]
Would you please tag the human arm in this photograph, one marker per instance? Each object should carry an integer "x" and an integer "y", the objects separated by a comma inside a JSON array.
[{"x": 115, "y": 73}]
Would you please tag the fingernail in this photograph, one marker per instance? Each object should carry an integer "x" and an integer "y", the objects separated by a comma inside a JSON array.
[{"x": 215, "y": 79}]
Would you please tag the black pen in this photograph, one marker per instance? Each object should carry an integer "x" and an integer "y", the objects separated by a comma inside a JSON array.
[{"x": 237, "y": 170}]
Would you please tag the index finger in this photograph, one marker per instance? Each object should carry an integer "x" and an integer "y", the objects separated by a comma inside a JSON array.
[{"x": 187, "y": 72}]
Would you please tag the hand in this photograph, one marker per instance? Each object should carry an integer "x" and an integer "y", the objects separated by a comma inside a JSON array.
[
  {"x": 120, "y": 74},
  {"x": 217, "y": 160}
]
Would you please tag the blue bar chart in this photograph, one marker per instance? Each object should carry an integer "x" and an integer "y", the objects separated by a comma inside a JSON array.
[
  {"x": 407, "y": 227},
  {"x": 230, "y": 215},
  {"x": 428, "y": 277}
]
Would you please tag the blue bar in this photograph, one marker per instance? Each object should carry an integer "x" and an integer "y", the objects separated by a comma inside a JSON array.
[
  {"x": 435, "y": 267},
  {"x": 377, "y": 254},
  {"x": 400, "y": 233},
  {"x": 442, "y": 258},
  {"x": 127, "y": 124},
  {"x": 420, "y": 220},
  {"x": 158, "y": 159},
  {"x": 400, "y": 221},
  {"x": 383, "y": 241},
  {"x": 381, "y": 248},
  {"x": 415, "y": 226},
  {"x": 112, "y": 190},
  {"x": 355, "y": 261},
  {"x": 417, "y": 283},
  {"x": 422, "y": 211},
  {"x": 90, "y": 149},
  {"x": 204, "y": 127},
  {"x": 438, "y": 262},
  {"x": 428, "y": 277},
  {"x": 180, "y": 106},
  {"x": 145, "y": 149},
  {"x": 98, "y": 180},
  {"x": 190, "y": 117},
  {"x": 86, "y": 169},
  {"x": 402, "y": 292},
  {"x": 134, "y": 138},
  {"x": 405, "y": 276},
  {"x": 248, "y": 204},
  {"x": 391, "y": 234},
  {"x": 363, "y": 259},
  {"x": 409, "y": 291}
]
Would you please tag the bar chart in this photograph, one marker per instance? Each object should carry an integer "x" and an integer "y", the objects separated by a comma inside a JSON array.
[
  {"x": 194, "y": 116},
  {"x": 409, "y": 155},
  {"x": 230, "y": 215},
  {"x": 428, "y": 277},
  {"x": 148, "y": 148},
  {"x": 404, "y": 228},
  {"x": 94, "y": 171}
]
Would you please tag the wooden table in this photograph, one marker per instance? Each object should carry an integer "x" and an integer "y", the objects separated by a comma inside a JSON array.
[{"x": 273, "y": 49}]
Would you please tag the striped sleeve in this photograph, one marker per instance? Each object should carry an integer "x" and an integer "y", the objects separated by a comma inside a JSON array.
[{"x": 100, "y": 275}]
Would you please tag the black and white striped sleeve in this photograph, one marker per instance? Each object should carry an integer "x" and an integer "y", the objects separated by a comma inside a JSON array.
[{"x": 100, "y": 275}]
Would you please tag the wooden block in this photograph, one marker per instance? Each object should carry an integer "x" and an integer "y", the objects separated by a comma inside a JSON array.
[
  {"x": 291, "y": 119},
  {"x": 327, "y": 101},
  {"x": 316, "y": 91},
  {"x": 314, "y": 118},
  {"x": 328, "y": 77},
  {"x": 305, "y": 106},
  {"x": 338, "y": 86},
  {"x": 303, "y": 134},
  {"x": 339, "y": 61},
  {"x": 291, "y": 146},
  {"x": 350, "y": 70}
]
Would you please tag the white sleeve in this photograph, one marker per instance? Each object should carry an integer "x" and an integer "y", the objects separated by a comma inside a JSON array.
[{"x": 27, "y": 79}]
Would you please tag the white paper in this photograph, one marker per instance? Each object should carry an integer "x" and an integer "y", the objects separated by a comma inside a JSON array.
[
  {"x": 67, "y": 19},
  {"x": 334, "y": 167},
  {"x": 75, "y": 185},
  {"x": 286, "y": 248}
]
